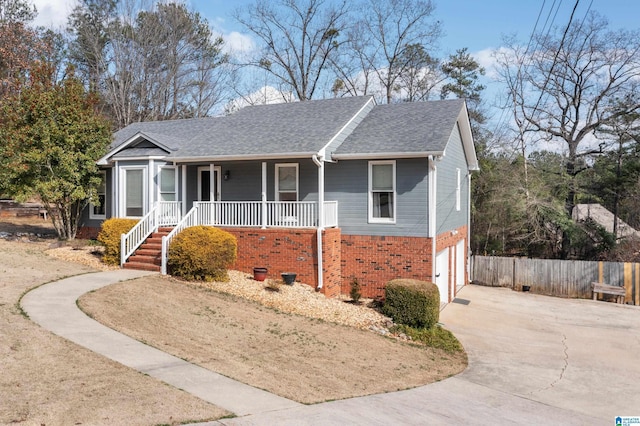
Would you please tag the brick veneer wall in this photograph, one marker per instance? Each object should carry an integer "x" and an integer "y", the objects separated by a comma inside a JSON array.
[
  {"x": 88, "y": 232},
  {"x": 376, "y": 260},
  {"x": 290, "y": 250}
]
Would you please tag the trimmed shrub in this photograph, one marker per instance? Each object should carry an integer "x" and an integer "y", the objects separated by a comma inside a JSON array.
[
  {"x": 412, "y": 302},
  {"x": 109, "y": 236},
  {"x": 202, "y": 253},
  {"x": 355, "y": 292}
]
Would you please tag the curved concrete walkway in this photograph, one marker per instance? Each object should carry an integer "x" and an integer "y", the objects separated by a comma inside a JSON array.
[
  {"x": 53, "y": 306},
  {"x": 530, "y": 362}
]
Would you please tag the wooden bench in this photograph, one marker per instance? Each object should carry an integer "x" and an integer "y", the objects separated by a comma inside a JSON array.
[{"x": 617, "y": 291}]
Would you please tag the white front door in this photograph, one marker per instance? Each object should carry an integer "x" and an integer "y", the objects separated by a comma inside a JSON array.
[
  {"x": 442, "y": 274},
  {"x": 133, "y": 191}
]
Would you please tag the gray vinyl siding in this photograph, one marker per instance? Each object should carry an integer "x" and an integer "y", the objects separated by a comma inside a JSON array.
[
  {"x": 245, "y": 180},
  {"x": 347, "y": 182},
  {"x": 357, "y": 119},
  {"x": 447, "y": 216}
]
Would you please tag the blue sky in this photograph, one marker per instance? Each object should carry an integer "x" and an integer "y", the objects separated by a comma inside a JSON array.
[{"x": 476, "y": 24}]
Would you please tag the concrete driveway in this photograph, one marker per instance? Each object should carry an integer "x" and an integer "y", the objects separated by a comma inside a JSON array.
[
  {"x": 532, "y": 360},
  {"x": 577, "y": 355}
]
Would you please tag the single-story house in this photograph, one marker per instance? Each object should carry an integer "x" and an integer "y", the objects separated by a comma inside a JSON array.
[{"x": 333, "y": 190}]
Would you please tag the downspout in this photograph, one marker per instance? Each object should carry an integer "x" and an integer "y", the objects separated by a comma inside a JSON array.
[
  {"x": 320, "y": 164},
  {"x": 432, "y": 214},
  {"x": 468, "y": 228},
  {"x": 263, "y": 197}
]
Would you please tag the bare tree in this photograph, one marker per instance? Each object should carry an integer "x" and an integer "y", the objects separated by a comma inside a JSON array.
[
  {"x": 297, "y": 38},
  {"x": 149, "y": 62},
  {"x": 566, "y": 87},
  {"x": 385, "y": 42}
]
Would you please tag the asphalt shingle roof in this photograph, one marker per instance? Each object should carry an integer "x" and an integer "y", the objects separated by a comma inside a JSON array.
[
  {"x": 303, "y": 128},
  {"x": 413, "y": 127},
  {"x": 288, "y": 128}
]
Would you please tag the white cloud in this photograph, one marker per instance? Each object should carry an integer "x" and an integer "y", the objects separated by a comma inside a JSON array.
[
  {"x": 236, "y": 42},
  {"x": 53, "y": 13}
]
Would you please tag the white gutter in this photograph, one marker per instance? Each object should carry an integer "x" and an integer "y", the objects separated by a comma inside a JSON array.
[
  {"x": 387, "y": 155},
  {"x": 432, "y": 214},
  {"x": 320, "y": 164},
  {"x": 242, "y": 157}
]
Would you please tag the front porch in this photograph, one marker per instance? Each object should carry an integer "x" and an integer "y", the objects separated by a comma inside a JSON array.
[{"x": 224, "y": 214}]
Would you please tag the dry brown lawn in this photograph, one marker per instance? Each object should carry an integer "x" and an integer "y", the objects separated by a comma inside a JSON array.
[{"x": 48, "y": 380}]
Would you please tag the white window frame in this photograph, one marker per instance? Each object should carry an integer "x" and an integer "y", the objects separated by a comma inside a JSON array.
[
  {"x": 387, "y": 220},
  {"x": 458, "y": 190},
  {"x": 122, "y": 194},
  {"x": 175, "y": 183},
  {"x": 92, "y": 215},
  {"x": 277, "y": 180}
]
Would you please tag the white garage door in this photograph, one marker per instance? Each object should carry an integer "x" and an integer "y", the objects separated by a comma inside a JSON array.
[
  {"x": 442, "y": 275},
  {"x": 460, "y": 262}
]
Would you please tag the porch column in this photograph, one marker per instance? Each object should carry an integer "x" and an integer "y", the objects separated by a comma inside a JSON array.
[
  {"x": 183, "y": 195},
  {"x": 212, "y": 190},
  {"x": 151, "y": 194},
  {"x": 115, "y": 190},
  {"x": 263, "y": 197}
]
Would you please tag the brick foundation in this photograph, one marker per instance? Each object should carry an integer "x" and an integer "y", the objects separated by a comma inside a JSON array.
[
  {"x": 88, "y": 232},
  {"x": 376, "y": 260},
  {"x": 290, "y": 250},
  {"x": 373, "y": 260}
]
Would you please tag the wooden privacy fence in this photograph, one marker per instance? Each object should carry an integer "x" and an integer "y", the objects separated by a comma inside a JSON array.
[{"x": 563, "y": 278}]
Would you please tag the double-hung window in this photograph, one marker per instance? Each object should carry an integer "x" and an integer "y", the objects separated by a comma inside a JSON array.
[
  {"x": 168, "y": 183},
  {"x": 382, "y": 191},
  {"x": 287, "y": 182}
]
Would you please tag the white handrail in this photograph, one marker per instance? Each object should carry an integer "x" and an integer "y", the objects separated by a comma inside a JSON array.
[
  {"x": 163, "y": 213},
  {"x": 192, "y": 218}
]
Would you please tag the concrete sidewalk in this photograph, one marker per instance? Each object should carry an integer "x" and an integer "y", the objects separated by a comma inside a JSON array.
[
  {"x": 530, "y": 363},
  {"x": 53, "y": 306}
]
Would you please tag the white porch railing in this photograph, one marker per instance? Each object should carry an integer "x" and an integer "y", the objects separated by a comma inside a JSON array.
[
  {"x": 284, "y": 214},
  {"x": 163, "y": 213},
  {"x": 287, "y": 214}
]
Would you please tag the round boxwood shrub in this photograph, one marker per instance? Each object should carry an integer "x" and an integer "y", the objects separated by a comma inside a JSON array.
[
  {"x": 202, "y": 253},
  {"x": 109, "y": 236},
  {"x": 412, "y": 302}
]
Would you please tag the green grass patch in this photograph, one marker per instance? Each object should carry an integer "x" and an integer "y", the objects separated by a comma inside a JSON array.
[{"x": 434, "y": 337}]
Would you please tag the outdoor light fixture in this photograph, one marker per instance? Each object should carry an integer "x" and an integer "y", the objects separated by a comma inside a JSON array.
[{"x": 227, "y": 175}]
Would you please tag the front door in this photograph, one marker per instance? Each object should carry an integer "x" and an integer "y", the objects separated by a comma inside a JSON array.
[{"x": 204, "y": 183}]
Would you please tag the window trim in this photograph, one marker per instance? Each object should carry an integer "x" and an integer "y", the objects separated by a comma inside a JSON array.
[
  {"x": 175, "y": 182},
  {"x": 103, "y": 216},
  {"x": 278, "y": 166},
  {"x": 383, "y": 220},
  {"x": 123, "y": 190}
]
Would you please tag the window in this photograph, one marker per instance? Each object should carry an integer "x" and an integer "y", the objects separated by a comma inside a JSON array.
[
  {"x": 286, "y": 182},
  {"x": 382, "y": 190},
  {"x": 458, "y": 190},
  {"x": 168, "y": 183},
  {"x": 134, "y": 183},
  {"x": 98, "y": 211}
]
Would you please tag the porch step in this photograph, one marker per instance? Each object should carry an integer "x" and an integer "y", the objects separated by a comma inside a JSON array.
[
  {"x": 148, "y": 257},
  {"x": 142, "y": 266}
]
